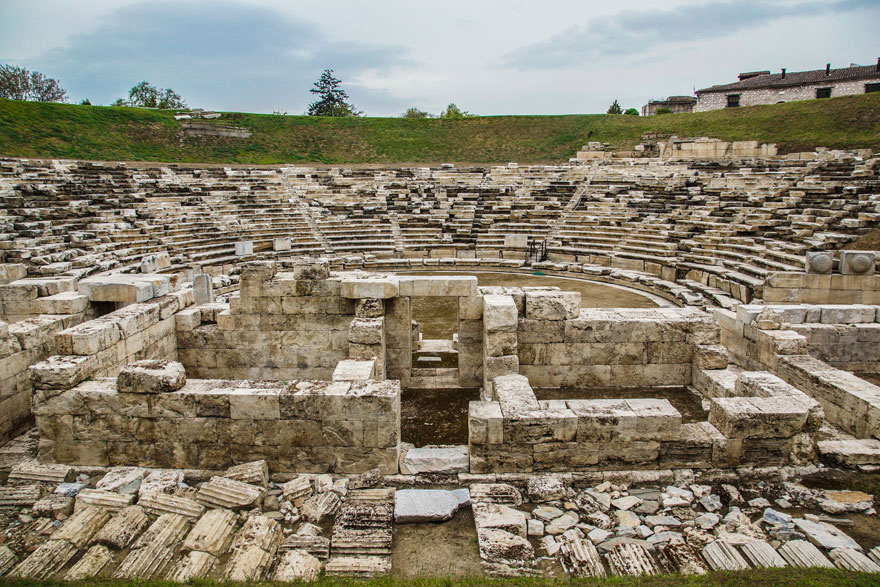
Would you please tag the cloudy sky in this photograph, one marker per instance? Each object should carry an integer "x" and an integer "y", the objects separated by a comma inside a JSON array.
[{"x": 487, "y": 56}]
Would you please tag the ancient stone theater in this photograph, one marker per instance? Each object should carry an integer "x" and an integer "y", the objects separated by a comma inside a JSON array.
[{"x": 619, "y": 365}]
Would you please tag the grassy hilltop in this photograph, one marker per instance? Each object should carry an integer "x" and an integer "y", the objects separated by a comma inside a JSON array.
[{"x": 41, "y": 130}]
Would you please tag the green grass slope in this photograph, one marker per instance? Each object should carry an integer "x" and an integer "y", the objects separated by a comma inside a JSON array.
[{"x": 38, "y": 130}]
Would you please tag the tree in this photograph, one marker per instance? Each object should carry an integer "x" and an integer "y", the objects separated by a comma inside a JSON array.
[
  {"x": 17, "y": 83},
  {"x": 415, "y": 113},
  {"x": 452, "y": 112},
  {"x": 631, "y": 112},
  {"x": 146, "y": 95},
  {"x": 332, "y": 98},
  {"x": 615, "y": 108}
]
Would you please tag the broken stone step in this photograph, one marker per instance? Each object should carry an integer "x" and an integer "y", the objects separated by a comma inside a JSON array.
[
  {"x": 853, "y": 560},
  {"x": 297, "y": 488},
  {"x": 166, "y": 531},
  {"x": 500, "y": 517},
  {"x": 195, "y": 565},
  {"x": 227, "y": 493},
  {"x": 254, "y": 473},
  {"x": 297, "y": 565},
  {"x": 499, "y": 546},
  {"x": 248, "y": 563},
  {"x": 631, "y": 560},
  {"x": 105, "y": 499},
  {"x": 163, "y": 503},
  {"x": 580, "y": 558},
  {"x": 8, "y": 560},
  {"x": 361, "y": 540},
  {"x": 357, "y": 514},
  {"x": 413, "y": 506},
  {"x": 260, "y": 531},
  {"x": 212, "y": 533},
  {"x": 318, "y": 507},
  {"x": 358, "y": 566},
  {"x": 19, "y": 495},
  {"x": 802, "y": 554},
  {"x": 721, "y": 556},
  {"x": 47, "y": 560},
  {"x": 91, "y": 564},
  {"x": 40, "y": 473},
  {"x": 317, "y": 546},
  {"x": 684, "y": 558},
  {"x": 445, "y": 460},
  {"x": 825, "y": 535},
  {"x": 82, "y": 526},
  {"x": 500, "y": 493},
  {"x": 123, "y": 528},
  {"x": 122, "y": 479},
  {"x": 760, "y": 554}
]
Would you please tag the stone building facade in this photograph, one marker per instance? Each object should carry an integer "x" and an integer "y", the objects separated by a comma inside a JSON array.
[
  {"x": 763, "y": 87},
  {"x": 674, "y": 103}
]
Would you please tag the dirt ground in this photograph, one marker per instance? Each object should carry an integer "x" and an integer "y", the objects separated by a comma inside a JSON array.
[{"x": 446, "y": 549}]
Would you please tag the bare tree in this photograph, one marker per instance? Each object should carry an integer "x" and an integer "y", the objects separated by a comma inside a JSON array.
[{"x": 17, "y": 83}]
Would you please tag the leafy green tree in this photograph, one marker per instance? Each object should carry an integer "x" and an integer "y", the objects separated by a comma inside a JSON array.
[
  {"x": 615, "y": 108},
  {"x": 17, "y": 83},
  {"x": 146, "y": 95},
  {"x": 452, "y": 112},
  {"x": 415, "y": 113},
  {"x": 85, "y": 102},
  {"x": 331, "y": 98},
  {"x": 631, "y": 112}
]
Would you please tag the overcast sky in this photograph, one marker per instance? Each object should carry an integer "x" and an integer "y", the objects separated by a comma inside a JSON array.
[{"x": 489, "y": 57}]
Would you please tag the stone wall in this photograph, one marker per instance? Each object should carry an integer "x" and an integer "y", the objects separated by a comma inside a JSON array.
[
  {"x": 813, "y": 288},
  {"x": 613, "y": 348},
  {"x": 31, "y": 297},
  {"x": 146, "y": 418},
  {"x": 717, "y": 100}
]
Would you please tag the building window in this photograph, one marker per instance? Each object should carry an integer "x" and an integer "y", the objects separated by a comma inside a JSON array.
[
  {"x": 872, "y": 88},
  {"x": 732, "y": 100},
  {"x": 823, "y": 92}
]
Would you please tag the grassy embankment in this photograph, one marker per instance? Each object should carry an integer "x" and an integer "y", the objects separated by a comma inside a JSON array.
[{"x": 131, "y": 134}]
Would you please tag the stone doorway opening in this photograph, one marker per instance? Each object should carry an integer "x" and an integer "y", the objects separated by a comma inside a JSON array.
[{"x": 434, "y": 342}]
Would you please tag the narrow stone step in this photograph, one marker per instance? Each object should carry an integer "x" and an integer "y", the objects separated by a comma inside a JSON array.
[
  {"x": 40, "y": 473},
  {"x": 254, "y": 473},
  {"x": 91, "y": 564},
  {"x": 358, "y": 566},
  {"x": 104, "y": 499},
  {"x": 580, "y": 558},
  {"x": 212, "y": 533},
  {"x": 853, "y": 560},
  {"x": 48, "y": 559},
  {"x": 632, "y": 560},
  {"x": 82, "y": 526},
  {"x": 230, "y": 494},
  {"x": 721, "y": 556},
  {"x": 195, "y": 565},
  {"x": 123, "y": 528},
  {"x": 760, "y": 554},
  {"x": 802, "y": 554},
  {"x": 163, "y": 503}
]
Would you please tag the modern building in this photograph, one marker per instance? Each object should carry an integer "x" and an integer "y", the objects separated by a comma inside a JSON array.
[
  {"x": 763, "y": 87},
  {"x": 674, "y": 103}
]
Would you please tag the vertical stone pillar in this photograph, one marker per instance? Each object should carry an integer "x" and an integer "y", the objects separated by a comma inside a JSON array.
[
  {"x": 499, "y": 340},
  {"x": 398, "y": 339},
  {"x": 470, "y": 341},
  {"x": 203, "y": 289}
]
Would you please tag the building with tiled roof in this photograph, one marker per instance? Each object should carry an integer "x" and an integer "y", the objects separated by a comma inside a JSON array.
[{"x": 763, "y": 87}]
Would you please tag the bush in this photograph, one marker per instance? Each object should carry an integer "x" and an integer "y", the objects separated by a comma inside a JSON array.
[
  {"x": 631, "y": 112},
  {"x": 664, "y": 110},
  {"x": 415, "y": 113}
]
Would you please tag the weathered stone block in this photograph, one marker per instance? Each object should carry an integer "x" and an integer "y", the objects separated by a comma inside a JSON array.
[
  {"x": 151, "y": 377},
  {"x": 552, "y": 305},
  {"x": 499, "y": 314}
]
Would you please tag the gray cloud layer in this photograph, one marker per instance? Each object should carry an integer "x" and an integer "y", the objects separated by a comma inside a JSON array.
[
  {"x": 217, "y": 55},
  {"x": 630, "y": 33}
]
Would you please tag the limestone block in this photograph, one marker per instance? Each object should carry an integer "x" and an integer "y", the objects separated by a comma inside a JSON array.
[
  {"x": 552, "y": 305},
  {"x": 821, "y": 262},
  {"x": 91, "y": 564},
  {"x": 438, "y": 286},
  {"x": 188, "y": 319},
  {"x": 710, "y": 357},
  {"x": 105, "y": 499},
  {"x": 21, "y": 290},
  {"x": 355, "y": 370},
  {"x": 151, "y": 377},
  {"x": 368, "y": 285},
  {"x": 498, "y": 344},
  {"x": 123, "y": 528},
  {"x": 499, "y": 314},
  {"x": 125, "y": 288},
  {"x": 195, "y": 565},
  {"x": 226, "y": 493},
  {"x": 311, "y": 269},
  {"x": 470, "y": 308},
  {"x": 243, "y": 248},
  {"x": 297, "y": 565},
  {"x": 81, "y": 526},
  {"x": 156, "y": 503},
  {"x": 757, "y": 417},
  {"x": 203, "y": 289},
  {"x": 366, "y": 331},
  {"x": 485, "y": 423},
  {"x": 29, "y": 472},
  {"x": 494, "y": 367},
  {"x": 514, "y": 395},
  {"x": 254, "y": 404},
  {"x": 12, "y": 271},
  {"x": 212, "y": 533},
  {"x": 55, "y": 506},
  {"x": 369, "y": 308},
  {"x": 254, "y": 472},
  {"x": 47, "y": 560},
  {"x": 281, "y": 244},
  {"x": 857, "y": 262},
  {"x": 88, "y": 338}
]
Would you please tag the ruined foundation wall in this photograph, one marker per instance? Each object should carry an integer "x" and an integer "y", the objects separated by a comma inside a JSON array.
[{"x": 316, "y": 427}]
